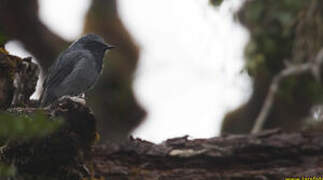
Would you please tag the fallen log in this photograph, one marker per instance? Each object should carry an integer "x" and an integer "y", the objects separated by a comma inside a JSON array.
[
  {"x": 268, "y": 155},
  {"x": 70, "y": 153}
]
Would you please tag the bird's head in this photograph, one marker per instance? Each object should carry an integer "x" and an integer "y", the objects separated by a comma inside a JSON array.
[{"x": 92, "y": 42}]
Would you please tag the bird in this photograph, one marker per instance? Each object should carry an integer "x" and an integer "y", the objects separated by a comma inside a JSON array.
[{"x": 76, "y": 69}]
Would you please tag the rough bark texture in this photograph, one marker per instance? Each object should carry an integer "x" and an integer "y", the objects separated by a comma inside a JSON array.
[
  {"x": 268, "y": 155},
  {"x": 60, "y": 155},
  {"x": 69, "y": 153},
  {"x": 18, "y": 79},
  {"x": 7, "y": 71}
]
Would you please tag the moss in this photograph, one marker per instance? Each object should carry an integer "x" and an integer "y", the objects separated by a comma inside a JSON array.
[
  {"x": 216, "y": 2},
  {"x": 286, "y": 30},
  {"x": 274, "y": 36},
  {"x": 272, "y": 25},
  {"x": 3, "y": 37}
]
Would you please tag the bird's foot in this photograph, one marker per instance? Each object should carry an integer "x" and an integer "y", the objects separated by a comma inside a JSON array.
[
  {"x": 80, "y": 100},
  {"x": 75, "y": 99}
]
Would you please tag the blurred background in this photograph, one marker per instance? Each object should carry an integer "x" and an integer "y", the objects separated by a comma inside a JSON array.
[
  {"x": 181, "y": 67},
  {"x": 189, "y": 74}
]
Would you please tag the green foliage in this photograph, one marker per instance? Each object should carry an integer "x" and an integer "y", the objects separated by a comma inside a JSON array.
[
  {"x": 258, "y": 61},
  {"x": 272, "y": 26},
  {"x": 3, "y": 37},
  {"x": 303, "y": 87},
  {"x": 7, "y": 171},
  {"x": 24, "y": 127},
  {"x": 216, "y": 2},
  {"x": 275, "y": 37}
]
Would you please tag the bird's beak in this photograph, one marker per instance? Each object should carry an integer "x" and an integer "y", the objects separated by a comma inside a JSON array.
[{"x": 109, "y": 46}]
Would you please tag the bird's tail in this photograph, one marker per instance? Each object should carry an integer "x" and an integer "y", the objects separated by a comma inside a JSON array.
[{"x": 46, "y": 98}]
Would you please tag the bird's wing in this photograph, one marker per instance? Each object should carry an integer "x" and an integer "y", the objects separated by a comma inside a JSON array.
[
  {"x": 54, "y": 86},
  {"x": 51, "y": 70},
  {"x": 63, "y": 66},
  {"x": 83, "y": 76}
]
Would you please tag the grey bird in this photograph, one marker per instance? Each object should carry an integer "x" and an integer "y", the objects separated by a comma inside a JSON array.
[{"x": 76, "y": 69}]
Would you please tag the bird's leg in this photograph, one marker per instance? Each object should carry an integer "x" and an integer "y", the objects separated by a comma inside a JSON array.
[
  {"x": 79, "y": 98},
  {"x": 82, "y": 96}
]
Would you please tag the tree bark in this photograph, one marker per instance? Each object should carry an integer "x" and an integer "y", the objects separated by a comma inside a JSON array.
[
  {"x": 268, "y": 155},
  {"x": 69, "y": 153}
]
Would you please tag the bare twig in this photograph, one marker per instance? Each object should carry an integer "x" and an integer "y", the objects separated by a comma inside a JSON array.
[{"x": 312, "y": 66}]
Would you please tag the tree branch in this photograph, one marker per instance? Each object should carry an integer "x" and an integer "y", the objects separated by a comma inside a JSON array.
[{"x": 312, "y": 67}]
